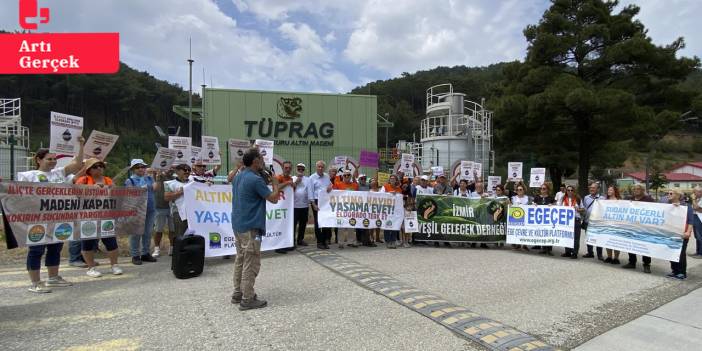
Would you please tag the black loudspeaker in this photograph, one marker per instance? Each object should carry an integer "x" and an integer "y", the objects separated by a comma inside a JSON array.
[{"x": 188, "y": 256}]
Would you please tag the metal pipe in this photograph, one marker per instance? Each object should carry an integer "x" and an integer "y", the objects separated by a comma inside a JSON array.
[{"x": 190, "y": 94}]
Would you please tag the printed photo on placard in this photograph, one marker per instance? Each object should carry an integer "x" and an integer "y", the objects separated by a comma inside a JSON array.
[{"x": 88, "y": 229}]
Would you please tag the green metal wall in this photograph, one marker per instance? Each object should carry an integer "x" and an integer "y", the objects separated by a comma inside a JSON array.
[{"x": 353, "y": 117}]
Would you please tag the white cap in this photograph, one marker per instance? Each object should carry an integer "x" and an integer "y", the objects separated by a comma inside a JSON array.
[
  {"x": 347, "y": 171},
  {"x": 301, "y": 165},
  {"x": 362, "y": 175},
  {"x": 425, "y": 177},
  {"x": 137, "y": 161}
]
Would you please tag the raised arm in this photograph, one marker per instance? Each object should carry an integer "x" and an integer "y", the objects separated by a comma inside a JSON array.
[{"x": 77, "y": 162}]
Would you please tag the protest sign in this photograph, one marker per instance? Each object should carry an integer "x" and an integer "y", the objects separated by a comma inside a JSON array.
[
  {"x": 266, "y": 149},
  {"x": 99, "y": 144},
  {"x": 514, "y": 171},
  {"x": 541, "y": 225},
  {"x": 537, "y": 177},
  {"x": 47, "y": 213},
  {"x": 454, "y": 218},
  {"x": 369, "y": 159},
  {"x": 209, "y": 215},
  {"x": 237, "y": 148},
  {"x": 642, "y": 228},
  {"x": 195, "y": 155},
  {"x": 164, "y": 158},
  {"x": 493, "y": 181},
  {"x": 383, "y": 178},
  {"x": 478, "y": 168},
  {"x": 437, "y": 171},
  {"x": 406, "y": 165},
  {"x": 65, "y": 130},
  {"x": 340, "y": 162},
  {"x": 411, "y": 225},
  {"x": 360, "y": 209},
  {"x": 467, "y": 170},
  {"x": 182, "y": 147},
  {"x": 210, "y": 151}
]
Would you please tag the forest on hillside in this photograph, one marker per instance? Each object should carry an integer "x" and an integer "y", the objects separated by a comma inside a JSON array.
[{"x": 129, "y": 104}]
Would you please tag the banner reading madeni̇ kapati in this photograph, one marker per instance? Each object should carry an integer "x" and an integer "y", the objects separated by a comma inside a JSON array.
[
  {"x": 48, "y": 213},
  {"x": 360, "y": 209},
  {"x": 541, "y": 225},
  {"x": 453, "y": 218},
  {"x": 643, "y": 228},
  {"x": 209, "y": 207}
]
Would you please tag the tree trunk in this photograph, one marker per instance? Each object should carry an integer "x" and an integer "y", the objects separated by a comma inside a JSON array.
[
  {"x": 583, "y": 163},
  {"x": 556, "y": 178}
]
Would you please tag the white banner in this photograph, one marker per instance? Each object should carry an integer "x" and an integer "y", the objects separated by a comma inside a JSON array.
[
  {"x": 210, "y": 151},
  {"x": 514, "y": 171},
  {"x": 99, "y": 144},
  {"x": 541, "y": 225},
  {"x": 266, "y": 149},
  {"x": 164, "y": 158},
  {"x": 466, "y": 170},
  {"x": 411, "y": 224},
  {"x": 182, "y": 147},
  {"x": 237, "y": 148},
  {"x": 537, "y": 177},
  {"x": 209, "y": 210},
  {"x": 65, "y": 130},
  {"x": 643, "y": 228},
  {"x": 360, "y": 209}
]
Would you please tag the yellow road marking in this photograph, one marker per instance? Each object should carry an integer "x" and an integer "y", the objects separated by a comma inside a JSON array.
[
  {"x": 24, "y": 282},
  {"x": 110, "y": 345},
  {"x": 65, "y": 320},
  {"x": 460, "y": 316}
]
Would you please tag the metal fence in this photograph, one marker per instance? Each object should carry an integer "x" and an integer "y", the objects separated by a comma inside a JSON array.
[{"x": 21, "y": 164}]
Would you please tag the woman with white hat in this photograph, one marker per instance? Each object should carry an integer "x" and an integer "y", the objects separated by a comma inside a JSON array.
[
  {"x": 94, "y": 176},
  {"x": 140, "y": 245}
]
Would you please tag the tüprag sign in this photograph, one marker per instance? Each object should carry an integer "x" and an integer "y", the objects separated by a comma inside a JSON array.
[{"x": 292, "y": 133}]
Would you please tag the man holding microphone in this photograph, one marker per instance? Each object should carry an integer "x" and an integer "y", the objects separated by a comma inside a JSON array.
[{"x": 250, "y": 193}]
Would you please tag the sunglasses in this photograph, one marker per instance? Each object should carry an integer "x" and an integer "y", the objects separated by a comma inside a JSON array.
[
  {"x": 140, "y": 167},
  {"x": 346, "y": 175},
  {"x": 570, "y": 190},
  {"x": 97, "y": 166}
]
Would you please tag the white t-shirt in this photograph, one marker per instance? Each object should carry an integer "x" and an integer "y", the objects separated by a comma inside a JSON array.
[
  {"x": 559, "y": 198},
  {"x": 301, "y": 195},
  {"x": 516, "y": 200},
  {"x": 424, "y": 191},
  {"x": 56, "y": 175},
  {"x": 178, "y": 205},
  {"x": 458, "y": 192}
]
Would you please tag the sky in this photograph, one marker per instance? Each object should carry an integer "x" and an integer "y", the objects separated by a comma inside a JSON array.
[{"x": 323, "y": 45}]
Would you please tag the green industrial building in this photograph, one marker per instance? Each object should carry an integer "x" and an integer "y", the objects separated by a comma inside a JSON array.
[{"x": 306, "y": 127}]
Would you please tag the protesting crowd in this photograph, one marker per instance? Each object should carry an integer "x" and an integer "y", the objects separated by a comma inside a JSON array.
[{"x": 253, "y": 185}]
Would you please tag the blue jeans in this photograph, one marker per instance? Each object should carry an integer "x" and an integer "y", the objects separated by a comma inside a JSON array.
[
  {"x": 74, "y": 251},
  {"x": 697, "y": 229},
  {"x": 143, "y": 239},
  {"x": 391, "y": 235}
]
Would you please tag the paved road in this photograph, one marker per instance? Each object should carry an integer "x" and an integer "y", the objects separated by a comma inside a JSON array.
[{"x": 561, "y": 301}]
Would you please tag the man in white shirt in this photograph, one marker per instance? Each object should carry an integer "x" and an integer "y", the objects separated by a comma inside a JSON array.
[
  {"x": 423, "y": 188},
  {"x": 302, "y": 203},
  {"x": 319, "y": 182}
]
